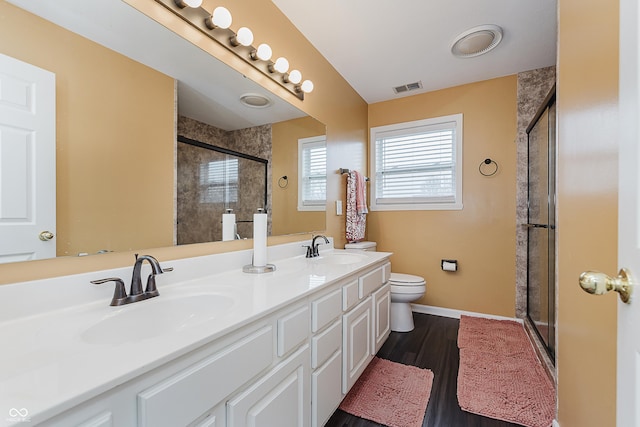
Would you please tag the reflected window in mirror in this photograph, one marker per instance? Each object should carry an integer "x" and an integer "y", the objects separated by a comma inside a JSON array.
[{"x": 312, "y": 173}]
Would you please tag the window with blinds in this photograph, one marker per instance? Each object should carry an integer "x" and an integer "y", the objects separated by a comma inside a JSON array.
[
  {"x": 219, "y": 181},
  {"x": 417, "y": 165},
  {"x": 312, "y": 174}
]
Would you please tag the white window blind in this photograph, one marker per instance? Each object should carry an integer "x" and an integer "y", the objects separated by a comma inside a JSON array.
[
  {"x": 312, "y": 173},
  {"x": 219, "y": 181},
  {"x": 417, "y": 165}
]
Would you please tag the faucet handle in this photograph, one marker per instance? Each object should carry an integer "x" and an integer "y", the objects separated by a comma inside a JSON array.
[
  {"x": 151, "y": 290},
  {"x": 309, "y": 251},
  {"x": 119, "y": 293}
]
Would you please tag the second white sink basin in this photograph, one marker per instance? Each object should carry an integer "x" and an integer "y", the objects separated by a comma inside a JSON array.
[
  {"x": 339, "y": 258},
  {"x": 156, "y": 316}
]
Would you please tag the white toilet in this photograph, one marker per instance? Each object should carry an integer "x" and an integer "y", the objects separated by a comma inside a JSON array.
[{"x": 405, "y": 288}]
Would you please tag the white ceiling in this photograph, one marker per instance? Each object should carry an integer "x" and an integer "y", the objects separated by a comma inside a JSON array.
[{"x": 380, "y": 44}]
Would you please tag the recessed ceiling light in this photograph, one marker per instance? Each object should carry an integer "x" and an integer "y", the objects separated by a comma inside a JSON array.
[
  {"x": 255, "y": 100},
  {"x": 476, "y": 41}
]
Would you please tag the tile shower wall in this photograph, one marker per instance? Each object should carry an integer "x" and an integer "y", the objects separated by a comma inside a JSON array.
[
  {"x": 194, "y": 224},
  {"x": 533, "y": 87}
]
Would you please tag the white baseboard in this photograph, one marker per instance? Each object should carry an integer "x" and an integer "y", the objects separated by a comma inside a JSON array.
[
  {"x": 555, "y": 424},
  {"x": 455, "y": 314}
]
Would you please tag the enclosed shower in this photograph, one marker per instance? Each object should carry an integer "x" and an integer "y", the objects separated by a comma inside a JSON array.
[{"x": 541, "y": 223}]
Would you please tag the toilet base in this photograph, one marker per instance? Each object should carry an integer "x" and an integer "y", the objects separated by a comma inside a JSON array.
[{"x": 401, "y": 317}]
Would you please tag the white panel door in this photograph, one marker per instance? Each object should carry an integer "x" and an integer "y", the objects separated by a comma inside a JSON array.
[
  {"x": 628, "y": 394},
  {"x": 27, "y": 161}
]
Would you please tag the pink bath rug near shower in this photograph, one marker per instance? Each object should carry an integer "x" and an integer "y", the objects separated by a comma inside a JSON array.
[
  {"x": 500, "y": 375},
  {"x": 390, "y": 393}
]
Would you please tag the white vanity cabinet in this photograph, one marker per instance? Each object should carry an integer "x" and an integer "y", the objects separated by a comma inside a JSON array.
[
  {"x": 366, "y": 326},
  {"x": 326, "y": 352},
  {"x": 289, "y": 367}
]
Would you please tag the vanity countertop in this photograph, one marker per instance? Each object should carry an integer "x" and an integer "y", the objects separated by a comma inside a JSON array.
[{"x": 63, "y": 343}]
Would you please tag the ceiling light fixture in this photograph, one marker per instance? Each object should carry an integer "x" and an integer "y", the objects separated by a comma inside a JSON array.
[
  {"x": 217, "y": 26},
  {"x": 255, "y": 100},
  {"x": 476, "y": 41}
]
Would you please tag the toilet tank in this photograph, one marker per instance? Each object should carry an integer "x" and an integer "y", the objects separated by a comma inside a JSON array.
[{"x": 361, "y": 246}]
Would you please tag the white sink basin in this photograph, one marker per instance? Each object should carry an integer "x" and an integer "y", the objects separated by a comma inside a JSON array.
[
  {"x": 339, "y": 258},
  {"x": 156, "y": 316}
]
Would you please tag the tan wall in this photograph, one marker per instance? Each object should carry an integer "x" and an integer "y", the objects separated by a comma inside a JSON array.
[
  {"x": 587, "y": 209},
  {"x": 287, "y": 219},
  {"x": 333, "y": 102},
  {"x": 482, "y": 235},
  {"x": 114, "y": 133}
]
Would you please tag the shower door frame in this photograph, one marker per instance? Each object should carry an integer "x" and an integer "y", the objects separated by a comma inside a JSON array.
[{"x": 549, "y": 342}]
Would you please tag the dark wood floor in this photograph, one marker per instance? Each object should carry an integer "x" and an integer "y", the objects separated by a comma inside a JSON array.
[{"x": 433, "y": 345}]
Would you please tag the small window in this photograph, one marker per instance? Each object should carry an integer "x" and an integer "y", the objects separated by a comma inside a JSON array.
[
  {"x": 417, "y": 165},
  {"x": 312, "y": 173},
  {"x": 219, "y": 181}
]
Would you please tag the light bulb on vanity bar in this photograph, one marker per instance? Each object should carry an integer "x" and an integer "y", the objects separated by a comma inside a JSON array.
[
  {"x": 191, "y": 3},
  {"x": 244, "y": 37},
  {"x": 281, "y": 65},
  {"x": 294, "y": 77},
  {"x": 220, "y": 18},
  {"x": 262, "y": 52},
  {"x": 307, "y": 86}
]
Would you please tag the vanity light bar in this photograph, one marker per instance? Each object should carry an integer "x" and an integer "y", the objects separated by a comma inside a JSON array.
[{"x": 215, "y": 25}]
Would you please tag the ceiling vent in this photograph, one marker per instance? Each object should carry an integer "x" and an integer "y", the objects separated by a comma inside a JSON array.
[
  {"x": 408, "y": 87},
  {"x": 476, "y": 41}
]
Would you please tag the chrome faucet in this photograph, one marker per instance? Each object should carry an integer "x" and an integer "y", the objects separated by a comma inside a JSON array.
[
  {"x": 312, "y": 251},
  {"x": 120, "y": 296}
]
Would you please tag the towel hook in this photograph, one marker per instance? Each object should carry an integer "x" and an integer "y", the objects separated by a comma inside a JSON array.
[{"x": 487, "y": 171}]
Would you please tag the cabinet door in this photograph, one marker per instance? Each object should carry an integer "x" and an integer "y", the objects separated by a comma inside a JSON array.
[
  {"x": 357, "y": 343},
  {"x": 381, "y": 326},
  {"x": 280, "y": 398},
  {"x": 326, "y": 390}
]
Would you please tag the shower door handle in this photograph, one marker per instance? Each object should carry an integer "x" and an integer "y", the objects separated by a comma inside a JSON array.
[
  {"x": 597, "y": 283},
  {"x": 553, "y": 227}
]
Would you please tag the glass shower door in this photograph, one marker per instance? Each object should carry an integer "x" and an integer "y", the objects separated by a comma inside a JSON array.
[{"x": 541, "y": 225}]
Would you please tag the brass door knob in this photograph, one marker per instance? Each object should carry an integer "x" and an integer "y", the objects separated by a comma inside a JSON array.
[
  {"x": 46, "y": 235},
  {"x": 597, "y": 283}
]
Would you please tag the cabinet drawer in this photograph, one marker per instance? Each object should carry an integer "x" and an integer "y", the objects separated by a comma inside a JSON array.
[
  {"x": 350, "y": 295},
  {"x": 325, "y": 344},
  {"x": 370, "y": 282},
  {"x": 325, "y": 309},
  {"x": 293, "y": 329},
  {"x": 387, "y": 272},
  {"x": 205, "y": 383}
]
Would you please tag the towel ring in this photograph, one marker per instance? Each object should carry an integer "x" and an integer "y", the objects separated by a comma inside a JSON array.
[
  {"x": 486, "y": 171},
  {"x": 283, "y": 181}
]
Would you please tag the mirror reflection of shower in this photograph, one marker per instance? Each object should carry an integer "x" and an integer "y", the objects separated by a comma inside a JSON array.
[{"x": 218, "y": 190}]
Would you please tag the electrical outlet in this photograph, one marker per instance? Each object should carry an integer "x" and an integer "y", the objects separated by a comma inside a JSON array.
[{"x": 338, "y": 207}]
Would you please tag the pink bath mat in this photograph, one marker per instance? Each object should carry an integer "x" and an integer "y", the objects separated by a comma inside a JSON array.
[
  {"x": 500, "y": 375},
  {"x": 390, "y": 393}
]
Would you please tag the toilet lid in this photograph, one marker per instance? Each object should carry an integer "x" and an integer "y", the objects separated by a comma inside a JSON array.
[{"x": 400, "y": 279}]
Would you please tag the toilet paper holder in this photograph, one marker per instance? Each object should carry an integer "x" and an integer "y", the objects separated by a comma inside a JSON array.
[{"x": 449, "y": 265}]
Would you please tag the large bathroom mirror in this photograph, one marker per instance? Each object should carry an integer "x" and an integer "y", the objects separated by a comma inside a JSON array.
[{"x": 126, "y": 87}]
